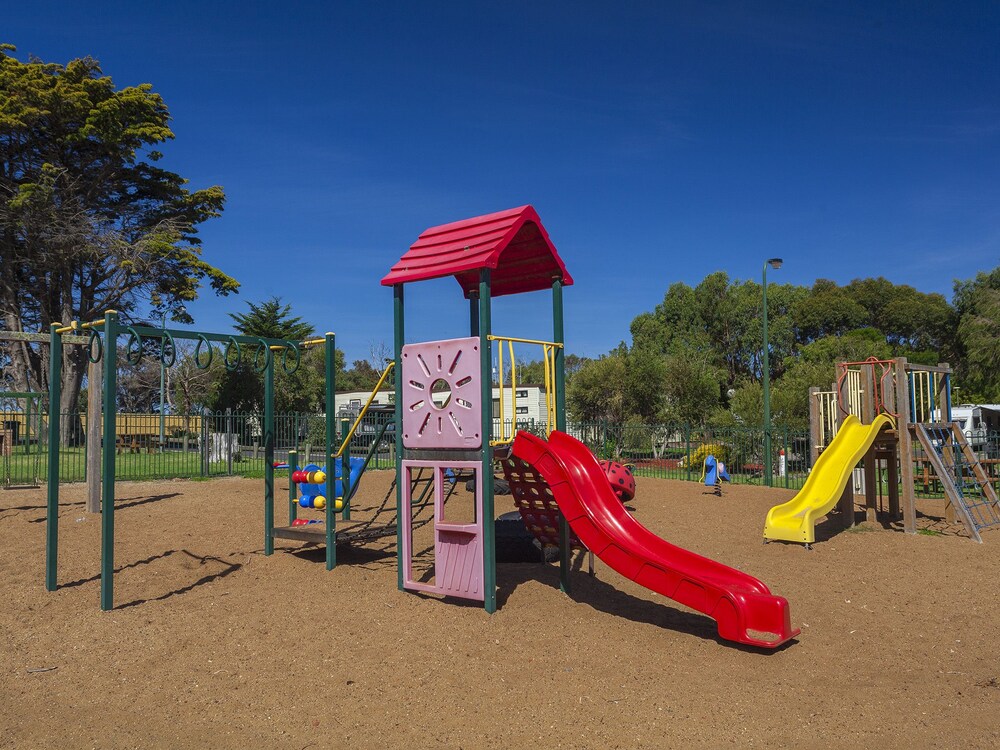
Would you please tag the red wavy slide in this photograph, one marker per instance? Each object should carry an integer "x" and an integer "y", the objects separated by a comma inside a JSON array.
[{"x": 744, "y": 608}]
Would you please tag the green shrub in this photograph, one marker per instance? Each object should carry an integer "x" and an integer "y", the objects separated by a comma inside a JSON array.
[{"x": 720, "y": 451}]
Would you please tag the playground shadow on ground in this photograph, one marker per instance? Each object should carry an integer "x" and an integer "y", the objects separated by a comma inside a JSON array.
[
  {"x": 372, "y": 557},
  {"x": 227, "y": 568},
  {"x": 605, "y": 597},
  {"x": 120, "y": 504},
  {"x": 833, "y": 525}
]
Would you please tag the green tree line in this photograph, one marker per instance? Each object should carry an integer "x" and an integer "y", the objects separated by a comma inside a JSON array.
[{"x": 697, "y": 357}]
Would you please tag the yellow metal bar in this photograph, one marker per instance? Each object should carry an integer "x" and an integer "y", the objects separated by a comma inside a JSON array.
[
  {"x": 513, "y": 390},
  {"x": 313, "y": 342},
  {"x": 549, "y": 364},
  {"x": 361, "y": 414},
  {"x": 500, "y": 382},
  {"x": 524, "y": 341}
]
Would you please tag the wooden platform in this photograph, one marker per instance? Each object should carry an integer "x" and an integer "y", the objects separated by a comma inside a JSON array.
[{"x": 315, "y": 533}]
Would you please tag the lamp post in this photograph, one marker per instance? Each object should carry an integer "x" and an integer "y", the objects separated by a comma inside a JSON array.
[
  {"x": 766, "y": 367},
  {"x": 163, "y": 324}
]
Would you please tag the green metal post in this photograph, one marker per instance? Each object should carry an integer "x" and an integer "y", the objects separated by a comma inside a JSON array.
[
  {"x": 52, "y": 508},
  {"x": 293, "y": 505},
  {"x": 474, "y": 317},
  {"x": 269, "y": 454},
  {"x": 27, "y": 426},
  {"x": 766, "y": 376},
  {"x": 345, "y": 469},
  {"x": 108, "y": 460},
  {"x": 330, "y": 352},
  {"x": 558, "y": 336},
  {"x": 486, "y": 367},
  {"x": 398, "y": 340}
]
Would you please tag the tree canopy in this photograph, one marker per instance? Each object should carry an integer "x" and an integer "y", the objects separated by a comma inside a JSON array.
[
  {"x": 708, "y": 340},
  {"x": 89, "y": 220}
]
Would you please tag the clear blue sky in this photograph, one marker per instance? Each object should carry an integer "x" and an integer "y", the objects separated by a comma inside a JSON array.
[{"x": 659, "y": 141}]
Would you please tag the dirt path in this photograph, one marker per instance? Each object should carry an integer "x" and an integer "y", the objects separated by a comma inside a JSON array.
[{"x": 214, "y": 645}]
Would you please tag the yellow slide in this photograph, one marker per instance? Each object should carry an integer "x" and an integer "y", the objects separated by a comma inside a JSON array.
[{"x": 795, "y": 521}]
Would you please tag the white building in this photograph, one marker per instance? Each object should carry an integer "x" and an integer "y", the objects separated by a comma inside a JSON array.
[{"x": 526, "y": 404}]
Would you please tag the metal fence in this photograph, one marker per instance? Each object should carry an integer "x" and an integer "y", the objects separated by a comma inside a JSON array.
[
  {"x": 230, "y": 443},
  {"x": 679, "y": 451},
  {"x": 195, "y": 446}
]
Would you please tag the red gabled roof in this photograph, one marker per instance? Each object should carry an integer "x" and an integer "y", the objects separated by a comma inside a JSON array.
[{"x": 512, "y": 243}]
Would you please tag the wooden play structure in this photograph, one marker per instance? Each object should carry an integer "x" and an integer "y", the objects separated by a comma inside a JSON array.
[{"x": 922, "y": 439}]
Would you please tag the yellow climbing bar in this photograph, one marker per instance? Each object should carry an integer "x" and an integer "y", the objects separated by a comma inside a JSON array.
[
  {"x": 76, "y": 325},
  {"x": 507, "y": 432},
  {"x": 525, "y": 341},
  {"x": 314, "y": 342},
  {"x": 364, "y": 410}
]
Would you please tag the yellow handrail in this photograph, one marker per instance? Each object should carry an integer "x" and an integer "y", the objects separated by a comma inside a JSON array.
[
  {"x": 364, "y": 410},
  {"x": 525, "y": 341},
  {"x": 76, "y": 325},
  {"x": 313, "y": 342},
  {"x": 549, "y": 365}
]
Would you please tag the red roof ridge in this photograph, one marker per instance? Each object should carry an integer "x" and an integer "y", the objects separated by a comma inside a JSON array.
[{"x": 512, "y": 242}]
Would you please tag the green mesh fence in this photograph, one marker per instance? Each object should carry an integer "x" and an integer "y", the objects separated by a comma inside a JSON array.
[{"x": 230, "y": 443}]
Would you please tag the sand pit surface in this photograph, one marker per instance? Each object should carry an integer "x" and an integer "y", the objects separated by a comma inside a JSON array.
[{"x": 212, "y": 644}]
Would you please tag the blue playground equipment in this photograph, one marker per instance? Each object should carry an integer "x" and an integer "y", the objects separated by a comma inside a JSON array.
[
  {"x": 714, "y": 473},
  {"x": 309, "y": 492}
]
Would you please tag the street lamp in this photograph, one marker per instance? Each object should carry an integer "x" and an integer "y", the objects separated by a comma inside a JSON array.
[{"x": 768, "y": 469}]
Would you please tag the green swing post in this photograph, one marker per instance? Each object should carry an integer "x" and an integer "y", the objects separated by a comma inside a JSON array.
[
  {"x": 330, "y": 351},
  {"x": 52, "y": 507},
  {"x": 108, "y": 460},
  {"x": 268, "y": 452},
  {"x": 558, "y": 336},
  {"x": 293, "y": 505},
  {"x": 486, "y": 365},
  {"x": 398, "y": 339}
]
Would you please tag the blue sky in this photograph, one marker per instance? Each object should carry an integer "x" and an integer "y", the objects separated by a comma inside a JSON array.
[{"x": 659, "y": 141}]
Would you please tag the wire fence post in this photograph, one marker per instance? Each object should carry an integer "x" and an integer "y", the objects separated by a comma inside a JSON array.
[
  {"x": 229, "y": 441},
  {"x": 203, "y": 452},
  {"x": 687, "y": 449}
]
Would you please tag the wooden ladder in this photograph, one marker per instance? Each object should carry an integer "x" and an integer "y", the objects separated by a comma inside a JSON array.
[{"x": 944, "y": 467}]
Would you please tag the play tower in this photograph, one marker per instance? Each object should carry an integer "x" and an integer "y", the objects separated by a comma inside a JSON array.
[
  {"x": 444, "y": 389},
  {"x": 912, "y": 403}
]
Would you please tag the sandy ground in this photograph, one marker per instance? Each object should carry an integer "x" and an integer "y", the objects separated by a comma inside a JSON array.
[{"x": 213, "y": 644}]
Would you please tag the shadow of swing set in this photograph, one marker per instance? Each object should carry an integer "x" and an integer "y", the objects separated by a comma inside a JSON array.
[{"x": 444, "y": 426}]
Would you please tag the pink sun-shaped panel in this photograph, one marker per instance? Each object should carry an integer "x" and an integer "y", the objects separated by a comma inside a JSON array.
[{"x": 442, "y": 404}]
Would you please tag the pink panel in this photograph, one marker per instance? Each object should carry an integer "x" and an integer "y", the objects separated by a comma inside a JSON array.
[
  {"x": 457, "y": 422},
  {"x": 458, "y": 547}
]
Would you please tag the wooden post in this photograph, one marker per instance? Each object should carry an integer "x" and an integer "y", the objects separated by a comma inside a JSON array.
[
  {"x": 95, "y": 376},
  {"x": 905, "y": 443}
]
